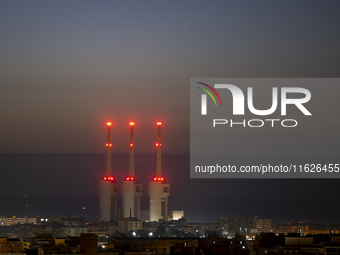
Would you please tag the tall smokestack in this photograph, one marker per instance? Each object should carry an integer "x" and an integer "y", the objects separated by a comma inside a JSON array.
[
  {"x": 159, "y": 188},
  {"x": 132, "y": 153},
  {"x": 159, "y": 151},
  {"x": 108, "y": 150},
  {"x": 108, "y": 188},
  {"x": 131, "y": 188}
]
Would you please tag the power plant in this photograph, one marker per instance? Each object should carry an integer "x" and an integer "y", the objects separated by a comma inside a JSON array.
[
  {"x": 159, "y": 189},
  {"x": 108, "y": 188},
  {"x": 131, "y": 188}
]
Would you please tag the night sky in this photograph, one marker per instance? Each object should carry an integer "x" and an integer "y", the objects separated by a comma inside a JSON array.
[{"x": 67, "y": 67}]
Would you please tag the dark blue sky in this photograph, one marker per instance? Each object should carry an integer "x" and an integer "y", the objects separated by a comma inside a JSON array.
[{"x": 68, "y": 66}]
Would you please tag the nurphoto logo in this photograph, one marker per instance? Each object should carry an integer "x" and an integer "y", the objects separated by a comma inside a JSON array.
[{"x": 239, "y": 104}]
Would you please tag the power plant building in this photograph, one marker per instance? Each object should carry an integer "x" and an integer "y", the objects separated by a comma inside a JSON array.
[
  {"x": 108, "y": 188},
  {"x": 131, "y": 189},
  {"x": 159, "y": 188}
]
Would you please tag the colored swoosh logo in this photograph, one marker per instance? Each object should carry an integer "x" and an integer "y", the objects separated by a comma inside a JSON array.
[{"x": 213, "y": 90}]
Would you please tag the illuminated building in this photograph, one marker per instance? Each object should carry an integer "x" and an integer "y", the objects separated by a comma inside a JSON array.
[
  {"x": 175, "y": 215},
  {"x": 131, "y": 189},
  {"x": 159, "y": 189},
  {"x": 108, "y": 187},
  {"x": 263, "y": 225},
  {"x": 8, "y": 221},
  {"x": 127, "y": 224},
  {"x": 73, "y": 231},
  {"x": 12, "y": 245}
]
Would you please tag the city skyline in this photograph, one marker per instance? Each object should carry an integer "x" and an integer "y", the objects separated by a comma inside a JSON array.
[{"x": 67, "y": 68}]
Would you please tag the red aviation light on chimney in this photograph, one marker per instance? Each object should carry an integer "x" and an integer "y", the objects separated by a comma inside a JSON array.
[
  {"x": 109, "y": 145},
  {"x": 131, "y": 144},
  {"x": 159, "y": 123},
  {"x": 158, "y": 144},
  {"x": 108, "y": 178},
  {"x": 132, "y": 123},
  {"x": 158, "y": 178},
  {"x": 108, "y": 123},
  {"x": 130, "y": 178}
]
